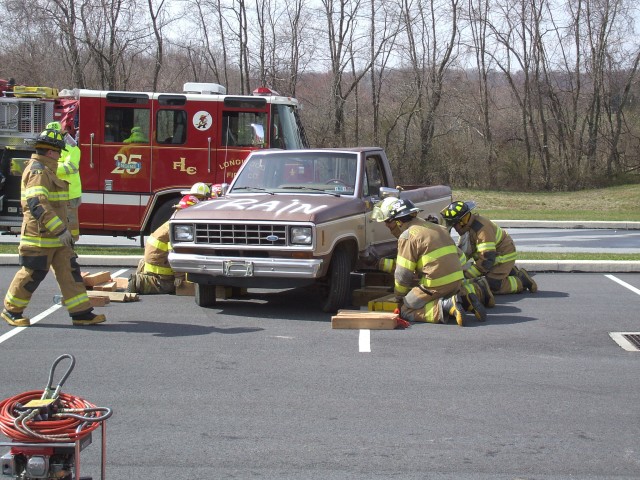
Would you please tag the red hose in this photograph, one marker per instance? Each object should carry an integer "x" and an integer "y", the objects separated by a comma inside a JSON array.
[{"x": 65, "y": 426}]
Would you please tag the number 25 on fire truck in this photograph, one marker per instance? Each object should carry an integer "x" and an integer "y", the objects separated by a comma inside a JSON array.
[{"x": 140, "y": 149}]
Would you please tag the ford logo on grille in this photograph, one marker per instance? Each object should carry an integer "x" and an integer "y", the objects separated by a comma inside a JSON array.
[{"x": 273, "y": 238}]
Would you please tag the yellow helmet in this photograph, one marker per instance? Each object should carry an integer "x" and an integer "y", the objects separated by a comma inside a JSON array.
[{"x": 200, "y": 189}]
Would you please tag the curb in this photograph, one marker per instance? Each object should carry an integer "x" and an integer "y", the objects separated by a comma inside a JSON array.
[
  {"x": 568, "y": 224},
  {"x": 86, "y": 260}
]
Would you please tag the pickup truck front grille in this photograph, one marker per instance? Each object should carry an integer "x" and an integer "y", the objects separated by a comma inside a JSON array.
[{"x": 241, "y": 234}]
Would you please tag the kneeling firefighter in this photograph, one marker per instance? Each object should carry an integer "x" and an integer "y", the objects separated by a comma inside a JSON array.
[
  {"x": 154, "y": 274},
  {"x": 427, "y": 252},
  {"x": 491, "y": 248}
]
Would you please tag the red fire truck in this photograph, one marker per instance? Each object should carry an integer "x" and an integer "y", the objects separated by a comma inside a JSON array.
[{"x": 139, "y": 150}]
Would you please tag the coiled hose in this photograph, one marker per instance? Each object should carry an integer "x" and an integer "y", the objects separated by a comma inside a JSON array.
[{"x": 52, "y": 417}]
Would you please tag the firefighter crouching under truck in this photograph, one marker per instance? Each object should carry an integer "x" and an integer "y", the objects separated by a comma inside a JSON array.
[
  {"x": 45, "y": 240},
  {"x": 154, "y": 274},
  {"x": 491, "y": 247},
  {"x": 426, "y": 252}
]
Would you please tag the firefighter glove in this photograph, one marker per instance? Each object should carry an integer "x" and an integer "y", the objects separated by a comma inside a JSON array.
[{"x": 66, "y": 238}]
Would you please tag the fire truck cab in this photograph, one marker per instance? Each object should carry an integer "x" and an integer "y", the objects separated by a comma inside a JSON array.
[{"x": 139, "y": 150}]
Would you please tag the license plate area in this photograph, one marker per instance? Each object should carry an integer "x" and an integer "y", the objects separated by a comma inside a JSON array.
[{"x": 237, "y": 268}]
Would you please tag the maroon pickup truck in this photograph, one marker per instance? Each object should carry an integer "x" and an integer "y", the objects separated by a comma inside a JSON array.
[{"x": 293, "y": 218}]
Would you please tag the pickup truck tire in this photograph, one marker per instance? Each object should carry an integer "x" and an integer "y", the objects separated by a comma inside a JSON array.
[
  {"x": 339, "y": 277},
  {"x": 205, "y": 295}
]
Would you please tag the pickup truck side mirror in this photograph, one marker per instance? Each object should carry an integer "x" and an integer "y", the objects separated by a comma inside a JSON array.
[{"x": 389, "y": 192}]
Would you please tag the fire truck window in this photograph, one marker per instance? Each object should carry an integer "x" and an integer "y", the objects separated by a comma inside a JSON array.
[
  {"x": 126, "y": 125},
  {"x": 243, "y": 129},
  {"x": 171, "y": 127}
]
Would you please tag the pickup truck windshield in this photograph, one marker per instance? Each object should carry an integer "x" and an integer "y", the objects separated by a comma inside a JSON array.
[{"x": 308, "y": 172}]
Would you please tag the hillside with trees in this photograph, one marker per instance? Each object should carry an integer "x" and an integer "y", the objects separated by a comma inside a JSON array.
[{"x": 519, "y": 95}]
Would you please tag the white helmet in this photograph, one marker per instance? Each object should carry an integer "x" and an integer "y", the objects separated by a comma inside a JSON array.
[
  {"x": 392, "y": 207},
  {"x": 200, "y": 189}
]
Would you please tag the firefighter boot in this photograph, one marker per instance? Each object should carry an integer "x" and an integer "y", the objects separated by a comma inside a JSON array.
[
  {"x": 471, "y": 303},
  {"x": 452, "y": 306},
  {"x": 527, "y": 282},
  {"x": 15, "y": 319},
  {"x": 486, "y": 294},
  {"x": 87, "y": 318}
]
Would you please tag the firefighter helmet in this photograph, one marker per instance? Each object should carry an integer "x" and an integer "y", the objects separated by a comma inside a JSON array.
[
  {"x": 200, "y": 189},
  {"x": 187, "y": 201},
  {"x": 453, "y": 213},
  {"x": 54, "y": 126},
  {"x": 51, "y": 140},
  {"x": 393, "y": 208}
]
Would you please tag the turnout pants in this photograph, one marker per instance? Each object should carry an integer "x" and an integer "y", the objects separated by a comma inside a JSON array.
[
  {"x": 35, "y": 263},
  {"x": 146, "y": 283},
  {"x": 431, "y": 312}
]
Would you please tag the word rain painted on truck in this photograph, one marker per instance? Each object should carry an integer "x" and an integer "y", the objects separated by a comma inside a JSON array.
[{"x": 140, "y": 150}]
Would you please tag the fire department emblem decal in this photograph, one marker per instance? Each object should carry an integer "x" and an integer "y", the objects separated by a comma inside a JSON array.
[{"x": 202, "y": 120}]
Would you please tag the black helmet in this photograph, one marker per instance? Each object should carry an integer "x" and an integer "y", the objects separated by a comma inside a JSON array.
[
  {"x": 400, "y": 208},
  {"x": 51, "y": 139},
  {"x": 455, "y": 211}
]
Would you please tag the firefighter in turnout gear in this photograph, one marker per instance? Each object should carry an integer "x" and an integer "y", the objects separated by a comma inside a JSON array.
[
  {"x": 477, "y": 286},
  {"x": 427, "y": 270},
  {"x": 45, "y": 241},
  {"x": 491, "y": 248},
  {"x": 69, "y": 170},
  {"x": 154, "y": 274}
]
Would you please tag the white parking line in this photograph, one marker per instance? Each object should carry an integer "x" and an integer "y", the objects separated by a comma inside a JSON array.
[
  {"x": 40, "y": 316},
  {"x": 624, "y": 284},
  {"x": 365, "y": 341}
]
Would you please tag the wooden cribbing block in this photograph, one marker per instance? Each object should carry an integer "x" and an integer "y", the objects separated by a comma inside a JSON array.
[
  {"x": 106, "y": 287},
  {"x": 362, "y": 296},
  {"x": 121, "y": 283},
  {"x": 383, "y": 304},
  {"x": 186, "y": 289},
  {"x": 99, "y": 301},
  {"x": 379, "y": 279},
  {"x": 92, "y": 279},
  {"x": 115, "y": 296},
  {"x": 223, "y": 293},
  {"x": 357, "y": 319}
]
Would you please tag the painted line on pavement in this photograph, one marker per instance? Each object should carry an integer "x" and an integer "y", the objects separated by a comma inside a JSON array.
[
  {"x": 624, "y": 284},
  {"x": 40, "y": 316},
  {"x": 365, "y": 341}
]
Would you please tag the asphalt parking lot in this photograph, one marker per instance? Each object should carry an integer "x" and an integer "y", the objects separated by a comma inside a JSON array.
[{"x": 264, "y": 388}]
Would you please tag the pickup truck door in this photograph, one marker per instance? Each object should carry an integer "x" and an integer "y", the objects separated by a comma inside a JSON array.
[{"x": 377, "y": 234}]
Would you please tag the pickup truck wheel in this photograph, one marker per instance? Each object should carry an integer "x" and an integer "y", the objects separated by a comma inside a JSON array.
[
  {"x": 339, "y": 288},
  {"x": 205, "y": 295}
]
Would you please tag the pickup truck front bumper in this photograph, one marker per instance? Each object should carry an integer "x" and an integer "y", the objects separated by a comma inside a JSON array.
[{"x": 238, "y": 267}]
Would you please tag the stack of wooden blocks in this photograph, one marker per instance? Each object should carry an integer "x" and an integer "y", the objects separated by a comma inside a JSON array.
[
  {"x": 103, "y": 289},
  {"x": 375, "y": 293}
]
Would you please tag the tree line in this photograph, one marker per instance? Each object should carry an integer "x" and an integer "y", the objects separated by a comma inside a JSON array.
[{"x": 509, "y": 94}]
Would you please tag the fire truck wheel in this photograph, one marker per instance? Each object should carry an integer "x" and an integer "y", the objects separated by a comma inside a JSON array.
[
  {"x": 163, "y": 213},
  {"x": 339, "y": 287},
  {"x": 205, "y": 295}
]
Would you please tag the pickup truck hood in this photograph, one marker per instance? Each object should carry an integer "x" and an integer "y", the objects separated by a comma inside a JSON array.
[{"x": 278, "y": 207}]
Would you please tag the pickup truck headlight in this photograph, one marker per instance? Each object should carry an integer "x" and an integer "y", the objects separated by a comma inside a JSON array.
[
  {"x": 301, "y": 235},
  {"x": 183, "y": 233}
]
